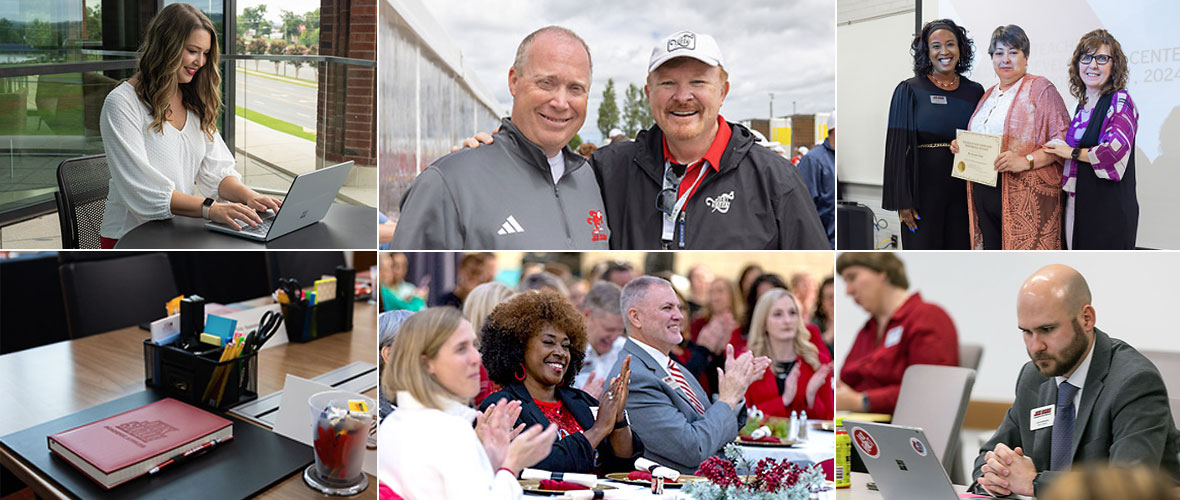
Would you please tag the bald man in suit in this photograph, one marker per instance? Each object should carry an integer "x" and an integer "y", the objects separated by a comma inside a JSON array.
[
  {"x": 1083, "y": 397},
  {"x": 666, "y": 406}
]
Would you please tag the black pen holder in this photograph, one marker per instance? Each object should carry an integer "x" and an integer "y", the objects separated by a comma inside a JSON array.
[
  {"x": 305, "y": 323},
  {"x": 201, "y": 379},
  {"x": 309, "y": 322}
]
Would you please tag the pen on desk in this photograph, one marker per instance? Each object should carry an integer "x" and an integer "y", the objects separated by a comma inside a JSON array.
[
  {"x": 989, "y": 492},
  {"x": 189, "y": 454}
]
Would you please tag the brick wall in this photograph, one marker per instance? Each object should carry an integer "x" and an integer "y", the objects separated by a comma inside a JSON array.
[{"x": 347, "y": 121}]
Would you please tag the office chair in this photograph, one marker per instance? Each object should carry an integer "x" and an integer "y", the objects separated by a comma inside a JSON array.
[
  {"x": 103, "y": 295},
  {"x": 81, "y": 199},
  {"x": 935, "y": 398}
]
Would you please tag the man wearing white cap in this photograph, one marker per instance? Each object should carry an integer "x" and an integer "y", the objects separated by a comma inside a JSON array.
[
  {"x": 694, "y": 180},
  {"x": 818, "y": 169}
]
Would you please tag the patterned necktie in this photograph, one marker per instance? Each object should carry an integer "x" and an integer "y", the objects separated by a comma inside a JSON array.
[
  {"x": 683, "y": 383},
  {"x": 1061, "y": 458}
]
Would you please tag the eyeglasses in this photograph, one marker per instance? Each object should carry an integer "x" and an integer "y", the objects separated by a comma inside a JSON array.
[
  {"x": 1103, "y": 59},
  {"x": 666, "y": 199}
]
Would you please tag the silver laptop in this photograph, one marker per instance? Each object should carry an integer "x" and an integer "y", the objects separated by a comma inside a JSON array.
[
  {"x": 307, "y": 201},
  {"x": 900, "y": 459}
]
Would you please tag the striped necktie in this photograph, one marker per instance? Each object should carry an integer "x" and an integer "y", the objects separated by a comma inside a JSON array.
[{"x": 683, "y": 383}]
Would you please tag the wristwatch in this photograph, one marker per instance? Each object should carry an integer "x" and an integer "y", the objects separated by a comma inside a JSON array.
[
  {"x": 1029, "y": 157},
  {"x": 1076, "y": 152},
  {"x": 205, "y": 206},
  {"x": 626, "y": 421}
]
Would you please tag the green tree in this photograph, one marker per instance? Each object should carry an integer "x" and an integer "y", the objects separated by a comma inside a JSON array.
[
  {"x": 575, "y": 141},
  {"x": 40, "y": 34},
  {"x": 636, "y": 111},
  {"x": 93, "y": 21},
  {"x": 608, "y": 111},
  {"x": 312, "y": 19},
  {"x": 290, "y": 23},
  {"x": 310, "y": 37},
  {"x": 8, "y": 32},
  {"x": 254, "y": 18}
]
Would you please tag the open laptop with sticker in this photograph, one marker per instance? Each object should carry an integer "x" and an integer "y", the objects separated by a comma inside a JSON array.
[
  {"x": 307, "y": 201},
  {"x": 900, "y": 461}
]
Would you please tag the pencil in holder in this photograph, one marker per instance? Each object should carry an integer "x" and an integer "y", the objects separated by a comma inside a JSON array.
[{"x": 204, "y": 379}]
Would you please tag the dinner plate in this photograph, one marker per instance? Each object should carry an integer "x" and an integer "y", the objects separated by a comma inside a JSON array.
[
  {"x": 534, "y": 486},
  {"x": 684, "y": 479}
]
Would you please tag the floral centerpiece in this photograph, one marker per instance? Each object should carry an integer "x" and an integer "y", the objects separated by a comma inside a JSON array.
[{"x": 769, "y": 479}]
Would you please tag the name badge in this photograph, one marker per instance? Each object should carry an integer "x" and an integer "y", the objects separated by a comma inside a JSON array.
[
  {"x": 937, "y": 99},
  {"x": 893, "y": 336},
  {"x": 1042, "y": 417}
]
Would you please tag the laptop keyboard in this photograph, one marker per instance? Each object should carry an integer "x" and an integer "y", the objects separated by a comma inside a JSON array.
[{"x": 259, "y": 230}]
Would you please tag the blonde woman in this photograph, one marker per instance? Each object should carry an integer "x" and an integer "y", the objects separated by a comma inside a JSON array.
[
  {"x": 429, "y": 449},
  {"x": 476, "y": 308},
  {"x": 160, "y": 134},
  {"x": 800, "y": 377}
]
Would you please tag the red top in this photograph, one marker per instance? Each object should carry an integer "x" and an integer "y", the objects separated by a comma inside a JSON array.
[
  {"x": 764, "y": 392},
  {"x": 713, "y": 156},
  {"x": 919, "y": 333},
  {"x": 558, "y": 414},
  {"x": 486, "y": 386}
]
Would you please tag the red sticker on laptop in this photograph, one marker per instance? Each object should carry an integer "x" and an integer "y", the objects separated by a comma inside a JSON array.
[
  {"x": 917, "y": 445},
  {"x": 865, "y": 442}
]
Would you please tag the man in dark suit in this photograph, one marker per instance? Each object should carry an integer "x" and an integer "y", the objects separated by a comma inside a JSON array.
[
  {"x": 1084, "y": 397},
  {"x": 666, "y": 406}
]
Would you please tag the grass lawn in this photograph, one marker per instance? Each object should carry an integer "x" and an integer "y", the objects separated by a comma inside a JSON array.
[{"x": 275, "y": 123}]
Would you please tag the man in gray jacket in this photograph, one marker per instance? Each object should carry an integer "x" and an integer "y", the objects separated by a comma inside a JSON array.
[
  {"x": 1084, "y": 397},
  {"x": 665, "y": 405},
  {"x": 528, "y": 191}
]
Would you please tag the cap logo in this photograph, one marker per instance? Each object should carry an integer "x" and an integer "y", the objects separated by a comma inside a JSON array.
[{"x": 685, "y": 41}]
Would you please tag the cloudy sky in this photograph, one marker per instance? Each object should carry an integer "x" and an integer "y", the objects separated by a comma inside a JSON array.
[{"x": 782, "y": 46}]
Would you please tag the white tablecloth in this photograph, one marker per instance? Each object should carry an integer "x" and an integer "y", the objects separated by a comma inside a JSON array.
[
  {"x": 632, "y": 492},
  {"x": 820, "y": 446}
]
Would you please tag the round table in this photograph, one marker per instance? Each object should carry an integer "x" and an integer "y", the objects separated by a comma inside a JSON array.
[
  {"x": 820, "y": 446},
  {"x": 344, "y": 227}
]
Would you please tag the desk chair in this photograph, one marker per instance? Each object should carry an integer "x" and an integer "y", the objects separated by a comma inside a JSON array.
[
  {"x": 935, "y": 398},
  {"x": 108, "y": 294},
  {"x": 1168, "y": 364},
  {"x": 81, "y": 199}
]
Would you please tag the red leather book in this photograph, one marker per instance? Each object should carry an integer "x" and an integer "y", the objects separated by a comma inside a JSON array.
[{"x": 120, "y": 448}]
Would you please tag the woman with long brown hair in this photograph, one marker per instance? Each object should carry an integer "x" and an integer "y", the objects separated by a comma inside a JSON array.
[{"x": 160, "y": 134}]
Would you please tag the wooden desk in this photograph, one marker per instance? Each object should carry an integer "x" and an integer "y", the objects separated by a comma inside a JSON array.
[{"x": 40, "y": 384}]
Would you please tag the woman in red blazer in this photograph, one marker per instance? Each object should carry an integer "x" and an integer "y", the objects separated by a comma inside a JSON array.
[{"x": 800, "y": 379}]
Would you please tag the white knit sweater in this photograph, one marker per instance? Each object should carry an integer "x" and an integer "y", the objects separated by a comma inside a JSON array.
[{"x": 146, "y": 165}]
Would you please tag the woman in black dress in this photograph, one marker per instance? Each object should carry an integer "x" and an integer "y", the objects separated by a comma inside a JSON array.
[{"x": 925, "y": 112}]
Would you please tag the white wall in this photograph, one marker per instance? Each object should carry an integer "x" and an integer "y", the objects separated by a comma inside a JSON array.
[{"x": 1134, "y": 296}]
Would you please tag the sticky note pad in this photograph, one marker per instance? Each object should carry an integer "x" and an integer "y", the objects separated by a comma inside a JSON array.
[
  {"x": 358, "y": 405},
  {"x": 173, "y": 306},
  {"x": 325, "y": 290},
  {"x": 208, "y": 338},
  {"x": 219, "y": 326}
]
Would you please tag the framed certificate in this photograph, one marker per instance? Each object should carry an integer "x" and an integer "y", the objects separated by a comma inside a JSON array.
[{"x": 977, "y": 157}]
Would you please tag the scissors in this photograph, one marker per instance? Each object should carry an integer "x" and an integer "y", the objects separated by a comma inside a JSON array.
[
  {"x": 267, "y": 326},
  {"x": 290, "y": 286}
]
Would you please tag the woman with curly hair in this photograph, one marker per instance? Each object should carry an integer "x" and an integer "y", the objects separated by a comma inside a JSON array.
[
  {"x": 800, "y": 379},
  {"x": 1101, "y": 209},
  {"x": 476, "y": 308},
  {"x": 429, "y": 447},
  {"x": 159, "y": 130},
  {"x": 925, "y": 112},
  {"x": 533, "y": 346}
]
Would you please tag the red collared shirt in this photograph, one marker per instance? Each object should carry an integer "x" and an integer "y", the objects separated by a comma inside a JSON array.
[{"x": 712, "y": 156}]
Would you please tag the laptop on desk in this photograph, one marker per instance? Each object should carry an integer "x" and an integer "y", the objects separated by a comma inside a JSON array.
[
  {"x": 901, "y": 462},
  {"x": 307, "y": 201}
]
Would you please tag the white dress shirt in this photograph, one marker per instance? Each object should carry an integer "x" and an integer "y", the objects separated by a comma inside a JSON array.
[
  {"x": 429, "y": 454},
  {"x": 599, "y": 364},
  {"x": 993, "y": 113},
  {"x": 147, "y": 165}
]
